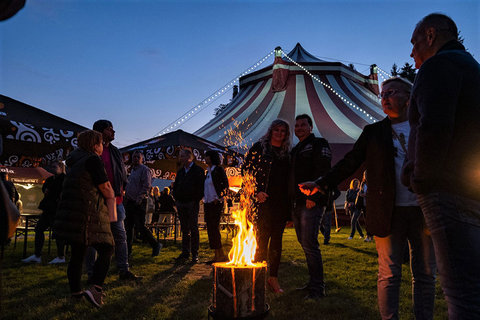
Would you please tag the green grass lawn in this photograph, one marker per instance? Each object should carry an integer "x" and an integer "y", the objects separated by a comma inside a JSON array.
[{"x": 169, "y": 291}]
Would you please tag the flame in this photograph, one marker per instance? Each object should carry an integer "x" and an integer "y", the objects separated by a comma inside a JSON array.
[{"x": 244, "y": 243}]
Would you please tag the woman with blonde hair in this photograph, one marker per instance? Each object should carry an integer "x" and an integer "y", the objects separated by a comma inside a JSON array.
[
  {"x": 352, "y": 206},
  {"x": 268, "y": 161}
]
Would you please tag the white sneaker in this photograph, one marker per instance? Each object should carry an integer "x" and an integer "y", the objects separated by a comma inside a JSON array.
[
  {"x": 32, "y": 259},
  {"x": 350, "y": 238},
  {"x": 57, "y": 260}
]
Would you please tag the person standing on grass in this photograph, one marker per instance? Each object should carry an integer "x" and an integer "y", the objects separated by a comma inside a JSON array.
[
  {"x": 136, "y": 194},
  {"x": 362, "y": 197},
  {"x": 117, "y": 175},
  {"x": 188, "y": 190},
  {"x": 443, "y": 160},
  {"x": 86, "y": 208},
  {"x": 353, "y": 208},
  {"x": 310, "y": 158},
  {"x": 393, "y": 213},
  {"x": 52, "y": 189},
  {"x": 216, "y": 188},
  {"x": 268, "y": 161}
]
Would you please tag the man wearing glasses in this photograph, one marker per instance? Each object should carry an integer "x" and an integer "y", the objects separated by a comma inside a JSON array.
[{"x": 394, "y": 216}]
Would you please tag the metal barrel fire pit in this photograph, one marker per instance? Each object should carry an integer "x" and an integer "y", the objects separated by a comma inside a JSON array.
[{"x": 239, "y": 292}]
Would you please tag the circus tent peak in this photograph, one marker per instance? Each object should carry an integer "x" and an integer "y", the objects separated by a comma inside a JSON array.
[
  {"x": 300, "y": 55},
  {"x": 341, "y": 101}
]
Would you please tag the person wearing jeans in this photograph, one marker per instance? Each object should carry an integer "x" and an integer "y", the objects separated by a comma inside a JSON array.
[
  {"x": 454, "y": 221},
  {"x": 442, "y": 165},
  {"x": 356, "y": 224},
  {"x": 311, "y": 158},
  {"x": 353, "y": 208},
  {"x": 121, "y": 250},
  {"x": 136, "y": 193},
  {"x": 117, "y": 175},
  {"x": 307, "y": 223},
  {"x": 407, "y": 224},
  {"x": 394, "y": 215}
]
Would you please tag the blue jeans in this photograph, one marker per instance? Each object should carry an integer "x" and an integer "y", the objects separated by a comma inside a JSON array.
[
  {"x": 355, "y": 224},
  {"x": 326, "y": 225},
  {"x": 454, "y": 222},
  {"x": 307, "y": 222},
  {"x": 120, "y": 238},
  {"x": 407, "y": 225}
]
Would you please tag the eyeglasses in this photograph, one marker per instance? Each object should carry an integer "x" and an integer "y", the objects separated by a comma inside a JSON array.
[{"x": 388, "y": 93}]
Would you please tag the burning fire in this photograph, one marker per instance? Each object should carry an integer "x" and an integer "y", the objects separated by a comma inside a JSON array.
[{"x": 244, "y": 243}]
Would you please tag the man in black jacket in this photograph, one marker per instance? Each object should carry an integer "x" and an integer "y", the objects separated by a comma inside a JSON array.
[
  {"x": 310, "y": 159},
  {"x": 444, "y": 156},
  {"x": 188, "y": 191},
  {"x": 393, "y": 213},
  {"x": 117, "y": 175}
]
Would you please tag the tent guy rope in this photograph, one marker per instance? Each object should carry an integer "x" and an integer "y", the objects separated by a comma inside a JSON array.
[{"x": 207, "y": 101}]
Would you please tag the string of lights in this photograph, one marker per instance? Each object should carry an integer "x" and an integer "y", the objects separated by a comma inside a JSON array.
[
  {"x": 345, "y": 100},
  {"x": 383, "y": 74},
  {"x": 388, "y": 75},
  {"x": 207, "y": 101}
]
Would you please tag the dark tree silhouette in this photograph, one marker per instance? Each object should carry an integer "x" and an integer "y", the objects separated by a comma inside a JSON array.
[
  {"x": 394, "y": 71},
  {"x": 408, "y": 72}
]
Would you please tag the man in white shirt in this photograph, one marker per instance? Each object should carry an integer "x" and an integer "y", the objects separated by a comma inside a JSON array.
[{"x": 394, "y": 216}]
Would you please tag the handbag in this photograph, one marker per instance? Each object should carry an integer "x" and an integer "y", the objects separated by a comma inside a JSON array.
[{"x": 9, "y": 215}]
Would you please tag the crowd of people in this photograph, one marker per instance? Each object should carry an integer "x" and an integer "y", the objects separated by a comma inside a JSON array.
[{"x": 422, "y": 193}]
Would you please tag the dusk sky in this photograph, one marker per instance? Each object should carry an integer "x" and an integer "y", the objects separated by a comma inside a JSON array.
[{"x": 142, "y": 64}]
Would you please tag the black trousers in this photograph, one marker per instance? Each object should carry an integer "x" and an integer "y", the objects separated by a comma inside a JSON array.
[
  {"x": 269, "y": 241},
  {"x": 135, "y": 218},
  {"x": 100, "y": 269},
  {"x": 188, "y": 214},
  {"x": 46, "y": 221},
  {"x": 213, "y": 213}
]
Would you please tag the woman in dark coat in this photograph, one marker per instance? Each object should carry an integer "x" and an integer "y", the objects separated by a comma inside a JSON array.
[
  {"x": 215, "y": 189},
  {"x": 86, "y": 208},
  {"x": 268, "y": 161}
]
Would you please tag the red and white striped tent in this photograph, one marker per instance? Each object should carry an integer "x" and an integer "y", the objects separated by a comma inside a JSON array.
[{"x": 341, "y": 101}]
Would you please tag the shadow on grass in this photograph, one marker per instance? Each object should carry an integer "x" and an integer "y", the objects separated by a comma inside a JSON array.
[
  {"x": 333, "y": 306},
  {"x": 356, "y": 249},
  {"x": 141, "y": 299}
]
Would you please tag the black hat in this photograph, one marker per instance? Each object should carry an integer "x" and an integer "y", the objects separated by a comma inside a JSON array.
[{"x": 101, "y": 125}]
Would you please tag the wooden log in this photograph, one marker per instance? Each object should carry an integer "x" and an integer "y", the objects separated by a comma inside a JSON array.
[{"x": 239, "y": 292}]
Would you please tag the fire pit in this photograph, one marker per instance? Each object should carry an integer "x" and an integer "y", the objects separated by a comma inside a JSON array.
[
  {"x": 239, "y": 292},
  {"x": 239, "y": 285}
]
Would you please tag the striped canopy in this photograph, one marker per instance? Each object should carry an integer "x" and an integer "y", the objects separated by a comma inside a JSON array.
[{"x": 340, "y": 105}]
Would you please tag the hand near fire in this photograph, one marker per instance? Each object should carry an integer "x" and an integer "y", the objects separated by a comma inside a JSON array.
[
  {"x": 262, "y": 197},
  {"x": 310, "y": 204},
  {"x": 309, "y": 188}
]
